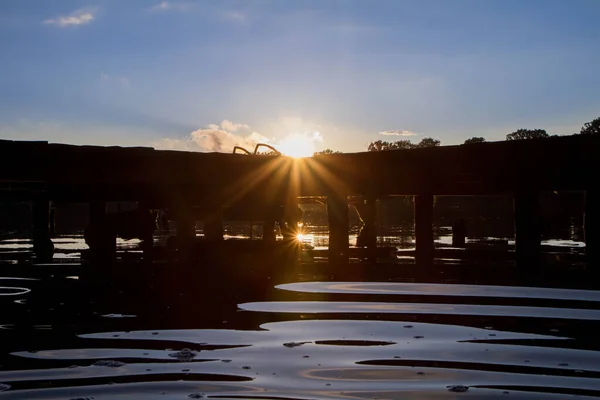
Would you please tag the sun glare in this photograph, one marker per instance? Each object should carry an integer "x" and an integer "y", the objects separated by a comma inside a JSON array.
[{"x": 298, "y": 145}]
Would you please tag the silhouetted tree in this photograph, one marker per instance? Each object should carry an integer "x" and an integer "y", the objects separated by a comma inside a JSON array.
[
  {"x": 397, "y": 145},
  {"x": 521, "y": 134},
  {"x": 475, "y": 140},
  {"x": 326, "y": 151},
  {"x": 428, "y": 142},
  {"x": 380, "y": 145},
  {"x": 591, "y": 128},
  {"x": 402, "y": 144}
]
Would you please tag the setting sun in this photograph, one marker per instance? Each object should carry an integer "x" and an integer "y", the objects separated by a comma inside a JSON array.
[{"x": 299, "y": 144}]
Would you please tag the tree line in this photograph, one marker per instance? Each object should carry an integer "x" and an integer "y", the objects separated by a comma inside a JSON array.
[{"x": 589, "y": 128}]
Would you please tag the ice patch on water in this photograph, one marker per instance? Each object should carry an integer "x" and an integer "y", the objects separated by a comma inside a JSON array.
[
  {"x": 184, "y": 355},
  {"x": 458, "y": 388},
  {"x": 108, "y": 363},
  {"x": 294, "y": 344}
]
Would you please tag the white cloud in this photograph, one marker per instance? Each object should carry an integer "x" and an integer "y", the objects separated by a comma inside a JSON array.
[
  {"x": 225, "y": 136},
  {"x": 398, "y": 133},
  {"x": 232, "y": 127},
  {"x": 214, "y": 138},
  {"x": 79, "y": 17},
  {"x": 169, "y": 6}
]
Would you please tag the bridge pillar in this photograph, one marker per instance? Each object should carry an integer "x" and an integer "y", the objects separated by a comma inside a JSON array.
[
  {"x": 592, "y": 227},
  {"x": 269, "y": 231},
  {"x": 337, "y": 211},
  {"x": 52, "y": 222},
  {"x": 424, "y": 228},
  {"x": 42, "y": 245},
  {"x": 527, "y": 230},
  {"x": 186, "y": 225},
  {"x": 103, "y": 244},
  {"x": 97, "y": 212},
  {"x": 213, "y": 226}
]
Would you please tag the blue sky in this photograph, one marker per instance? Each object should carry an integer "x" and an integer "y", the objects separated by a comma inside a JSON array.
[{"x": 204, "y": 75}]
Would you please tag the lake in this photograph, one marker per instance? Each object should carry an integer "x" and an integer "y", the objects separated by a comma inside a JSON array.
[{"x": 303, "y": 330}]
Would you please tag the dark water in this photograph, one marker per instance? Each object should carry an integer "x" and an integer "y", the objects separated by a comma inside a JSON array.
[{"x": 290, "y": 331}]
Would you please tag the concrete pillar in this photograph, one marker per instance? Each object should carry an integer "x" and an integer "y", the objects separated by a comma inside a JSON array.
[
  {"x": 97, "y": 212},
  {"x": 424, "y": 228},
  {"x": 52, "y": 222},
  {"x": 337, "y": 210},
  {"x": 213, "y": 226},
  {"x": 269, "y": 231},
  {"x": 147, "y": 230},
  {"x": 592, "y": 226},
  {"x": 42, "y": 245},
  {"x": 527, "y": 230},
  {"x": 186, "y": 225},
  {"x": 99, "y": 235}
]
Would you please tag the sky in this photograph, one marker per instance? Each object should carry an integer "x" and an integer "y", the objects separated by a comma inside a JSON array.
[{"x": 312, "y": 74}]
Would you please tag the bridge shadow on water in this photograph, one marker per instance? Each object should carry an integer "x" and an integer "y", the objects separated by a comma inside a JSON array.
[{"x": 266, "y": 326}]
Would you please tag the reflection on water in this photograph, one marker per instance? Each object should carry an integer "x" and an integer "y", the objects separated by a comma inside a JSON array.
[
  {"x": 400, "y": 238},
  {"x": 298, "y": 331}
]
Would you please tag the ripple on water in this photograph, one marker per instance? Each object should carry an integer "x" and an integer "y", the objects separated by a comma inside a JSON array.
[
  {"x": 13, "y": 291},
  {"x": 334, "y": 307},
  {"x": 375, "y": 348},
  {"x": 434, "y": 289}
]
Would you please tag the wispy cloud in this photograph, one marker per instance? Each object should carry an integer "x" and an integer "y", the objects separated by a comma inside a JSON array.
[
  {"x": 398, "y": 133},
  {"x": 121, "y": 80},
  {"x": 79, "y": 17},
  {"x": 169, "y": 6},
  {"x": 164, "y": 5},
  {"x": 235, "y": 16}
]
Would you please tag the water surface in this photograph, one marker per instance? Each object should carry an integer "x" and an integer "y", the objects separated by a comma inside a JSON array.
[{"x": 297, "y": 331}]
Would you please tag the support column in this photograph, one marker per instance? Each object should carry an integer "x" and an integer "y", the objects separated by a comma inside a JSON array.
[
  {"x": 97, "y": 212},
  {"x": 42, "y": 245},
  {"x": 213, "y": 226},
  {"x": 527, "y": 230},
  {"x": 337, "y": 210},
  {"x": 100, "y": 235},
  {"x": 592, "y": 227},
  {"x": 424, "y": 228},
  {"x": 186, "y": 225},
  {"x": 52, "y": 222},
  {"x": 269, "y": 231},
  {"x": 148, "y": 224}
]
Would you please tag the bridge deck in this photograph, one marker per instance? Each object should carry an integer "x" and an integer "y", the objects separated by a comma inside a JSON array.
[{"x": 89, "y": 173}]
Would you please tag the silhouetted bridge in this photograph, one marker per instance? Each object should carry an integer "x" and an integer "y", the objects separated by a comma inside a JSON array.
[{"x": 203, "y": 186}]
